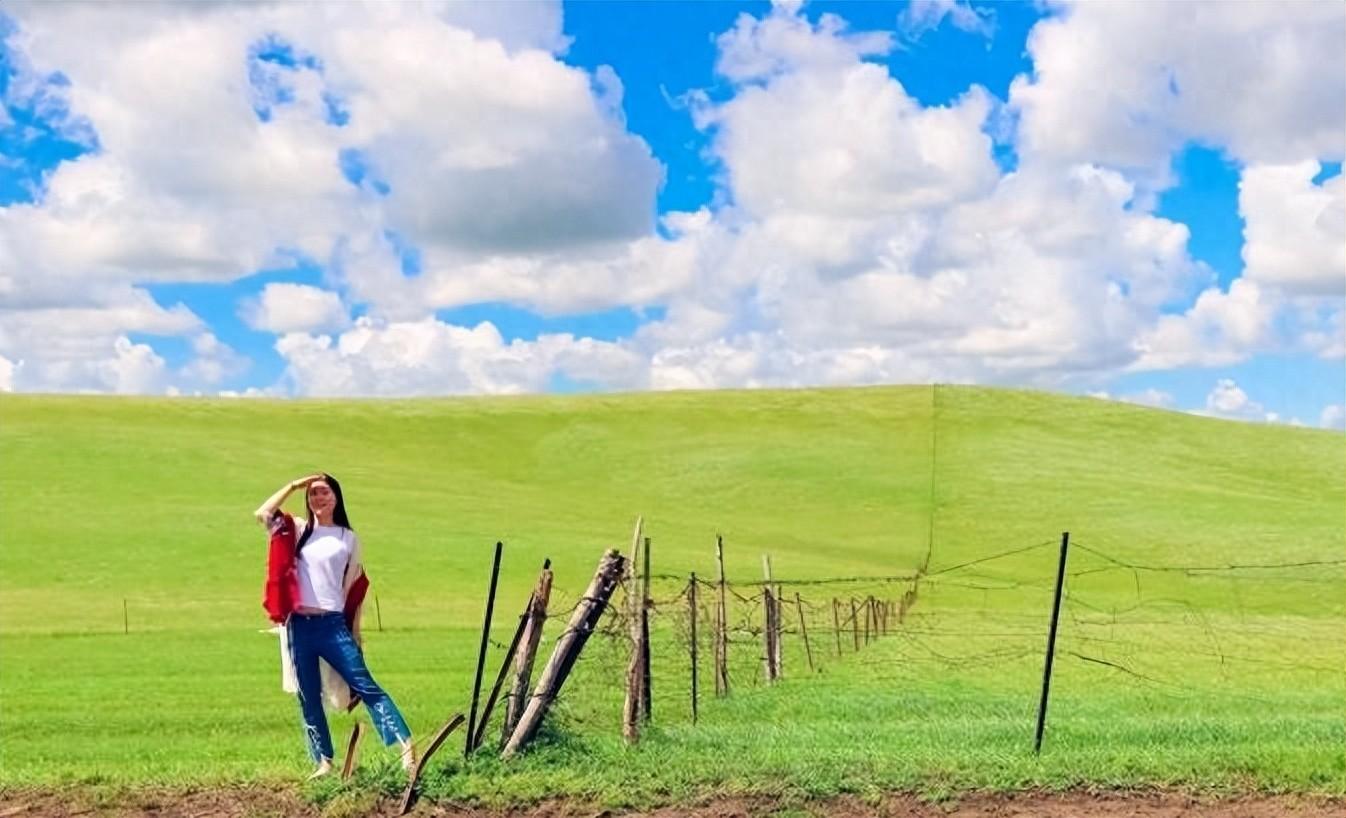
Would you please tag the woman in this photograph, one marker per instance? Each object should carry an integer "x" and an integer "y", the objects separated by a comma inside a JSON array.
[{"x": 314, "y": 592}]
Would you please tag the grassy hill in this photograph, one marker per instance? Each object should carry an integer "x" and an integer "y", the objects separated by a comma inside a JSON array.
[{"x": 136, "y": 512}]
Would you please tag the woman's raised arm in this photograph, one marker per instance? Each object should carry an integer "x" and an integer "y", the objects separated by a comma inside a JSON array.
[{"x": 265, "y": 510}]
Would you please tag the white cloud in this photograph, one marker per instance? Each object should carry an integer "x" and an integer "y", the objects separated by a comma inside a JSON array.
[
  {"x": 815, "y": 128},
  {"x": 283, "y": 308},
  {"x": 782, "y": 41},
  {"x": 7, "y": 368},
  {"x": 1295, "y": 234},
  {"x": 121, "y": 366},
  {"x": 1229, "y": 401},
  {"x": 859, "y": 236},
  {"x": 1156, "y": 398},
  {"x": 1333, "y": 417},
  {"x": 432, "y": 357},
  {"x": 250, "y": 392},
  {"x": 523, "y": 154},
  {"x": 921, "y": 16},
  {"x": 1220, "y": 328},
  {"x": 871, "y": 238},
  {"x": 1322, "y": 330},
  {"x": 85, "y": 347},
  {"x": 1125, "y": 84},
  {"x": 213, "y": 361},
  {"x": 1226, "y": 398}
]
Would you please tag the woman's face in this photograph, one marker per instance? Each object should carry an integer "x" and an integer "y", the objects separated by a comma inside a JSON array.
[{"x": 321, "y": 499}]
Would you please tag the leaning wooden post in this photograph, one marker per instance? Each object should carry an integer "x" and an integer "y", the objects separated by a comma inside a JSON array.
[
  {"x": 721, "y": 627},
  {"x": 836, "y": 624},
  {"x": 523, "y": 659},
  {"x": 855, "y": 623},
  {"x": 635, "y": 667},
  {"x": 869, "y": 612},
  {"x": 481, "y": 654},
  {"x": 378, "y": 612},
  {"x": 582, "y": 623},
  {"x": 646, "y": 697},
  {"x": 1051, "y": 644},
  {"x": 769, "y": 630},
  {"x": 803, "y": 630},
  {"x": 778, "y": 638},
  {"x": 691, "y": 611}
]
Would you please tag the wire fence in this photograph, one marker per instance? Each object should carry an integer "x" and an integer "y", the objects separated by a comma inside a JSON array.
[
  {"x": 1236, "y": 630},
  {"x": 1190, "y": 629}
]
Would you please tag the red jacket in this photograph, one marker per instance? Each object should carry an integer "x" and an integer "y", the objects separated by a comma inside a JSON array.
[{"x": 280, "y": 596}]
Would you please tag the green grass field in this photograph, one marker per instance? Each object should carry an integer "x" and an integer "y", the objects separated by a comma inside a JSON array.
[{"x": 1226, "y": 679}]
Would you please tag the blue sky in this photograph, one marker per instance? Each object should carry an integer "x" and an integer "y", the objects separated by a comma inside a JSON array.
[{"x": 669, "y": 150}]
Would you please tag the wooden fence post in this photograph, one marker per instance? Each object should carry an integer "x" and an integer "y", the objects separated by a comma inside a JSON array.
[
  {"x": 582, "y": 622},
  {"x": 766, "y": 634},
  {"x": 523, "y": 660},
  {"x": 855, "y": 623},
  {"x": 836, "y": 624},
  {"x": 868, "y": 609},
  {"x": 803, "y": 630},
  {"x": 770, "y": 631},
  {"x": 778, "y": 639},
  {"x": 635, "y": 668}
]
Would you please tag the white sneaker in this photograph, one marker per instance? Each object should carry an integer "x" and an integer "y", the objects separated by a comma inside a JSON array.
[{"x": 323, "y": 769}]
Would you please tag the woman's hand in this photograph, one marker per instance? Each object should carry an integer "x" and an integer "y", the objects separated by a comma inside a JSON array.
[{"x": 304, "y": 482}]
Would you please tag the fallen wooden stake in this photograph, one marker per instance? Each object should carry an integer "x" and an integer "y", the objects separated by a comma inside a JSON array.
[
  {"x": 348, "y": 765},
  {"x": 409, "y": 796}
]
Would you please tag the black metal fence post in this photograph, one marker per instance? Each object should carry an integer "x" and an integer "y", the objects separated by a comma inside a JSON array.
[
  {"x": 691, "y": 606},
  {"x": 1051, "y": 643},
  {"x": 481, "y": 654}
]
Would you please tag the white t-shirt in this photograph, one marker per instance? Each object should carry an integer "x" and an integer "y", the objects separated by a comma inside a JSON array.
[{"x": 321, "y": 567}]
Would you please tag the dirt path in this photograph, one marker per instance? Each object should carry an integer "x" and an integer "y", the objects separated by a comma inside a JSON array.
[{"x": 264, "y": 803}]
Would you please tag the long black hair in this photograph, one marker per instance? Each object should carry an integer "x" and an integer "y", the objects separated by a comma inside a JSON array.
[{"x": 338, "y": 513}]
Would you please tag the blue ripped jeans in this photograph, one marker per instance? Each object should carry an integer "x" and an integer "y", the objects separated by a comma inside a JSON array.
[{"x": 325, "y": 636}]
